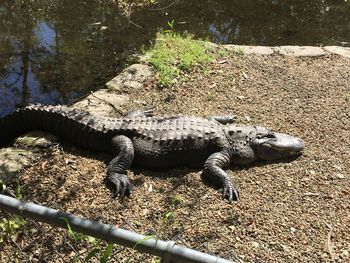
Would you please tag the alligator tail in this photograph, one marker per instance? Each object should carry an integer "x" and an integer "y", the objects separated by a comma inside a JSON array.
[{"x": 73, "y": 125}]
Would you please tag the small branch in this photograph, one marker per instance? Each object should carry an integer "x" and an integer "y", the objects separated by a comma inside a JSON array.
[
  {"x": 329, "y": 245},
  {"x": 162, "y": 8}
]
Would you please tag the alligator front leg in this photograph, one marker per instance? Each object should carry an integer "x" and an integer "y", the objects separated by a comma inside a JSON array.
[
  {"x": 213, "y": 171},
  {"x": 224, "y": 119},
  {"x": 116, "y": 169}
]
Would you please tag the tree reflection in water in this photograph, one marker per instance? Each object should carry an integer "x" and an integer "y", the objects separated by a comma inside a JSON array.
[{"x": 55, "y": 51}]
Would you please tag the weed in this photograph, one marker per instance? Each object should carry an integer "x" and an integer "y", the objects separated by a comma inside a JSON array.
[
  {"x": 97, "y": 250},
  {"x": 106, "y": 253},
  {"x": 210, "y": 96},
  {"x": 169, "y": 215},
  {"x": 18, "y": 191},
  {"x": 176, "y": 200},
  {"x": 174, "y": 53},
  {"x": 10, "y": 227}
]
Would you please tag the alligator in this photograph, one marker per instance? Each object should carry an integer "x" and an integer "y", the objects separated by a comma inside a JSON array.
[{"x": 157, "y": 142}]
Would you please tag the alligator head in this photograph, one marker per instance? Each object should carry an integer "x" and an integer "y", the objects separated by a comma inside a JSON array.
[
  {"x": 269, "y": 145},
  {"x": 251, "y": 143}
]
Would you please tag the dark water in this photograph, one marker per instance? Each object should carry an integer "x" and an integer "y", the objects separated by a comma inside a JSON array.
[{"x": 55, "y": 51}]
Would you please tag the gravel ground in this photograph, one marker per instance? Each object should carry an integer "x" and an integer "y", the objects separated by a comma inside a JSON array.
[{"x": 297, "y": 211}]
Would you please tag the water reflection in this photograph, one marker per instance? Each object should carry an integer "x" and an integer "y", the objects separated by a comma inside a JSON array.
[{"x": 54, "y": 51}]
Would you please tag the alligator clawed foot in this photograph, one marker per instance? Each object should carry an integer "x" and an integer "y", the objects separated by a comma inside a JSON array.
[
  {"x": 121, "y": 184},
  {"x": 230, "y": 193}
]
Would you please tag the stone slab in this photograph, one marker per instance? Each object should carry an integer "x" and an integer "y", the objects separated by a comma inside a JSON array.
[
  {"x": 102, "y": 103},
  {"x": 131, "y": 78},
  {"x": 341, "y": 51},
  {"x": 248, "y": 50},
  {"x": 300, "y": 51},
  {"x": 12, "y": 160}
]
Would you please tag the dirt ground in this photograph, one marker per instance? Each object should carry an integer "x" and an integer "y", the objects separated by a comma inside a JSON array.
[{"x": 297, "y": 211}]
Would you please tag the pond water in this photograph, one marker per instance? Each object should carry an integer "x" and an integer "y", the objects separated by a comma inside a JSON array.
[{"x": 55, "y": 51}]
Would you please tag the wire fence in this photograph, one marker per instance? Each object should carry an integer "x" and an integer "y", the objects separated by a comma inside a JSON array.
[{"x": 28, "y": 240}]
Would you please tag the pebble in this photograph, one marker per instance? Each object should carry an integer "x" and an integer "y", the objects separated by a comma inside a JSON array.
[
  {"x": 341, "y": 176},
  {"x": 312, "y": 172},
  {"x": 255, "y": 244},
  {"x": 345, "y": 253}
]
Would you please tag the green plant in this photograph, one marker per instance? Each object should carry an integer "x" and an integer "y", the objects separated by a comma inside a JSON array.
[
  {"x": 170, "y": 215},
  {"x": 98, "y": 250},
  {"x": 174, "y": 53},
  {"x": 18, "y": 191},
  {"x": 177, "y": 199},
  {"x": 210, "y": 96},
  {"x": 9, "y": 227}
]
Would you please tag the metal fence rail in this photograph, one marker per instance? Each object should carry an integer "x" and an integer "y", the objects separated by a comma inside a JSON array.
[{"x": 167, "y": 250}]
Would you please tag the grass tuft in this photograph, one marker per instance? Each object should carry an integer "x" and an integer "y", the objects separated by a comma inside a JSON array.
[{"x": 174, "y": 53}]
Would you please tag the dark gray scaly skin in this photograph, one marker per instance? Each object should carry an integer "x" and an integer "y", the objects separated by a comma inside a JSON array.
[{"x": 157, "y": 142}]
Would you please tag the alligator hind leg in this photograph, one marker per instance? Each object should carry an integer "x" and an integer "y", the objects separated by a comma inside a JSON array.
[
  {"x": 213, "y": 171},
  {"x": 224, "y": 119},
  {"x": 116, "y": 169},
  {"x": 139, "y": 113}
]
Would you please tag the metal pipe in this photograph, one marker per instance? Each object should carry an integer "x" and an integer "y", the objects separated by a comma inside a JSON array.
[{"x": 167, "y": 250}]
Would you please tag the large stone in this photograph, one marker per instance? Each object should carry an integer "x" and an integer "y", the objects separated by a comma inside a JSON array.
[
  {"x": 38, "y": 139},
  {"x": 248, "y": 50},
  {"x": 102, "y": 103},
  {"x": 300, "y": 51},
  {"x": 341, "y": 51},
  {"x": 12, "y": 160},
  {"x": 131, "y": 78}
]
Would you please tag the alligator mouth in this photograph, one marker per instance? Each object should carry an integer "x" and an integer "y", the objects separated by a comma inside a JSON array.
[
  {"x": 293, "y": 148},
  {"x": 279, "y": 146},
  {"x": 284, "y": 142}
]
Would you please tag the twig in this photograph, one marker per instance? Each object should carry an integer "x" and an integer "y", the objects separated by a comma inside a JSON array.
[
  {"x": 134, "y": 24},
  {"x": 162, "y": 8},
  {"x": 127, "y": 15},
  {"x": 329, "y": 245}
]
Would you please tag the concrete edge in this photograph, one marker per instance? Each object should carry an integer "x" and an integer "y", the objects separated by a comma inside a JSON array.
[{"x": 294, "y": 51}]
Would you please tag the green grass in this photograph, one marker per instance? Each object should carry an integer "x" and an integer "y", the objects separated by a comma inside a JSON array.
[{"x": 173, "y": 54}]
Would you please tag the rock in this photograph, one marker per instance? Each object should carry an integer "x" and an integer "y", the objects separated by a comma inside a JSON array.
[
  {"x": 12, "y": 160},
  {"x": 301, "y": 51},
  {"x": 38, "y": 139},
  {"x": 248, "y": 50},
  {"x": 341, "y": 51},
  {"x": 137, "y": 73},
  {"x": 133, "y": 85},
  {"x": 102, "y": 103}
]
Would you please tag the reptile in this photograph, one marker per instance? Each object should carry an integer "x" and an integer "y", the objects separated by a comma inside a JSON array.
[{"x": 157, "y": 142}]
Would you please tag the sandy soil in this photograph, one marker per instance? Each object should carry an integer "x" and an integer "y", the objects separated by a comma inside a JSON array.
[{"x": 297, "y": 211}]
